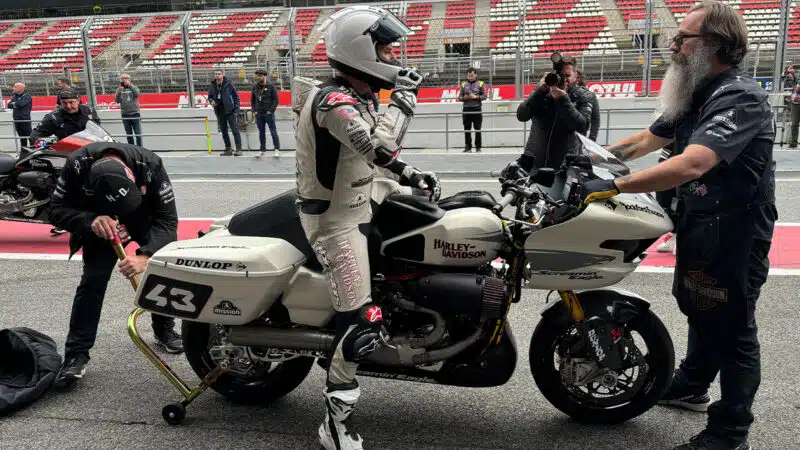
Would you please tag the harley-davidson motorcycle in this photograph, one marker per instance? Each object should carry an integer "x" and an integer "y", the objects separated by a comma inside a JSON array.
[
  {"x": 253, "y": 298},
  {"x": 28, "y": 182}
]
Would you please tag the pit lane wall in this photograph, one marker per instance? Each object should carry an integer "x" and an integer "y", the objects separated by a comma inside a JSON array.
[{"x": 182, "y": 129}]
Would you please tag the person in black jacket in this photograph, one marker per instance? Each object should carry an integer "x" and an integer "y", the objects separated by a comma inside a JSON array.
[
  {"x": 103, "y": 186},
  {"x": 21, "y": 102},
  {"x": 472, "y": 95},
  {"x": 225, "y": 100},
  {"x": 69, "y": 118},
  {"x": 594, "y": 128},
  {"x": 263, "y": 102},
  {"x": 556, "y": 114}
]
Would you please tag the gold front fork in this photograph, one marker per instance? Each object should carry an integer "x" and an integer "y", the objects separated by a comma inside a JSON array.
[{"x": 573, "y": 305}]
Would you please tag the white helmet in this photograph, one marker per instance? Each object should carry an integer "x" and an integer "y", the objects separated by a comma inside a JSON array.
[{"x": 351, "y": 38}]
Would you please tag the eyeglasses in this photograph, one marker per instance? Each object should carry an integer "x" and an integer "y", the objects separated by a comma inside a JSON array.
[{"x": 679, "y": 38}]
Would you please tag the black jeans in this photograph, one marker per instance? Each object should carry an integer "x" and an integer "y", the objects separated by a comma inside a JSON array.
[
  {"x": 225, "y": 121},
  {"x": 721, "y": 265},
  {"x": 99, "y": 261},
  {"x": 472, "y": 120},
  {"x": 133, "y": 127},
  {"x": 23, "y": 131},
  {"x": 262, "y": 121}
]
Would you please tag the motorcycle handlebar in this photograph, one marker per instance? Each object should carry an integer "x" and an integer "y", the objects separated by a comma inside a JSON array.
[{"x": 505, "y": 201}]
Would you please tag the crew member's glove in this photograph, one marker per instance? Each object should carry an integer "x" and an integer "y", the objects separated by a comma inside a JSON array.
[
  {"x": 598, "y": 189},
  {"x": 429, "y": 181}
]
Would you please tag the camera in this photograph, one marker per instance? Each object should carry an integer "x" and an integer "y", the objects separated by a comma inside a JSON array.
[{"x": 557, "y": 76}]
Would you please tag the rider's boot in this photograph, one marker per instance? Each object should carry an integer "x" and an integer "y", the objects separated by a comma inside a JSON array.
[
  {"x": 360, "y": 333},
  {"x": 336, "y": 432}
]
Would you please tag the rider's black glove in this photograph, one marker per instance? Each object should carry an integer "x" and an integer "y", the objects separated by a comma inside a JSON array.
[
  {"x": 413, "y": 177},
  {"x": 597, "y": 189}
]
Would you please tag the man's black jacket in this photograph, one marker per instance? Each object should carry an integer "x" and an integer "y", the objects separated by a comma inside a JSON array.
[
  {"x": 22, "y": 105},
  {"x": 62, "y": 124},
  {"x": 264, "y": 98},
  {"x": 554, "y": 123},
  {"x": 153, "y": 225}
]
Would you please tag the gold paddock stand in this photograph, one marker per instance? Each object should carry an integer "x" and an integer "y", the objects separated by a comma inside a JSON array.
[{"x": 174, "y": 413}]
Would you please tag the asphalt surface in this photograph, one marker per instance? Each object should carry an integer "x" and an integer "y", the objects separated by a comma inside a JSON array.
[{"x": 119, "y": 402}]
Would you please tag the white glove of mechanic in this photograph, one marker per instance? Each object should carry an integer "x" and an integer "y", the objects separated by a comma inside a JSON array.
[
  {"x": 424, "y": 180},
  {"x": 406, "y": 87}
]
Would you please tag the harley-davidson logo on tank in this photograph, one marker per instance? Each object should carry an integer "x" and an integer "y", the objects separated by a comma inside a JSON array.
[{"x": 458, "y": 250}]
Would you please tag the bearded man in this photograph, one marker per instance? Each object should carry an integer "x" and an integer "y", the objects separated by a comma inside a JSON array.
[{"x": 722, "y": 131}]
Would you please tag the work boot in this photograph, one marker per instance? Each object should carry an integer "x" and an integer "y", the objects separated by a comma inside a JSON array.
[
  {"x": 477, "y": 149},
  {"x": 467, "y": 149},
  {"x": 170, "y": 341},
  {"x": 227, "y": 152},
  {"x": 681, "y": 397},
  {"x": 708, "y": 441},
  {"x": 335, "y": 432},
  {"x": 73, "y": 369}
]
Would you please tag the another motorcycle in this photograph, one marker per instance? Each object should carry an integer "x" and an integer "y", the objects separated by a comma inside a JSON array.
[
  {"x": 28, "y": 182},
  {"x": 254, "y": 300}
]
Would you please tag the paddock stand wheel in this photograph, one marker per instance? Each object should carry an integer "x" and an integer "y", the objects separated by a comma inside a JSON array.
[{"x": 174, "y": 413}]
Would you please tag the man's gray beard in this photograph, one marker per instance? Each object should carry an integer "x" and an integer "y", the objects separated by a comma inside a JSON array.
[{"x": 681, "y": 81}]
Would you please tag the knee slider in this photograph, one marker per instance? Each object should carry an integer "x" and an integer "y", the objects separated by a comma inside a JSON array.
[{"x": 363, "y": 334}]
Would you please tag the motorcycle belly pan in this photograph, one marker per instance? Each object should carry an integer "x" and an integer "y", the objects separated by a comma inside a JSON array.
[{"x": 228, "y": 280}]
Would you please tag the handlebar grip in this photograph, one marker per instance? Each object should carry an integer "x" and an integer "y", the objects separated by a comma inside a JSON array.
[{"x": 505, "y": 201}]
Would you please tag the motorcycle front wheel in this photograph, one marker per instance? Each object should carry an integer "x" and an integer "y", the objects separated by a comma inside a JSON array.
[
  {"x": 578, "y": 387},
  {"x": 257, "y": 376}
]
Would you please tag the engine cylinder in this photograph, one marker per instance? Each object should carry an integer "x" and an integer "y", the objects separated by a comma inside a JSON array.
[{"x": 461, "y": 293}]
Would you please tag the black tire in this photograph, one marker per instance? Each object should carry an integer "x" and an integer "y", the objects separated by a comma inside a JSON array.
[
  {"x": 660, "y": 358},
  {"x": 277, "y": 383}
]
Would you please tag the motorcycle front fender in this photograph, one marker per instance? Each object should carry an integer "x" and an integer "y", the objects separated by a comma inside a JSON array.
[{"x": 596, "y": 302}]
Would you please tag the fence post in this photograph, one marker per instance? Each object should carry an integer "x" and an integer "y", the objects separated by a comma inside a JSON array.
[
  {"x": 208, "y": 136},
  {"x": 187, "y": 57},
  {"x": 520, "y": 43},
  {"x": 447, "y": 132},
  {"x": 780, "y": 45},
  {"x": 648, "y": 47},
  {"x": 87, "y": 56},
  {"x": 292, "y": 44},
  {"x": 404, "y": 44}
]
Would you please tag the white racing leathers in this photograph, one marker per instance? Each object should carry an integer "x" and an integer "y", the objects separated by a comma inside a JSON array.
[{"x": 341, "y": 140}]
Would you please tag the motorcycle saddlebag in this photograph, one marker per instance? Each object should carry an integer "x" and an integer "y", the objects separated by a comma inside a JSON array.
[
  {"x": 29, "y": 363},
  {"x": 228, "y": 280}
]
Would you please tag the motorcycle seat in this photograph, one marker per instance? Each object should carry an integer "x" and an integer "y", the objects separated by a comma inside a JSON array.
[
  {"x": 400, "y": 213},
  {"x": 7, "y": 162},
  {"x": 276, "y": 217},
  {"x": 468, "y": 199}
]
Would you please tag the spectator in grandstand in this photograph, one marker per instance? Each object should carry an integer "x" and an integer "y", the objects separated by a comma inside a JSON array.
[
  {"x": 127, "y": 98},
  {"x": 556, "y": 114},
  {"x": 472, "y": 95},
  {"x": 264, "y": 102},
  {"x": 594, "y": 128},
  {"x": 225, "y": 100},
  {"x": 789, "y": 76},
  {"x": 722, "y": 127},
  {"x": 21, "y": 102}
]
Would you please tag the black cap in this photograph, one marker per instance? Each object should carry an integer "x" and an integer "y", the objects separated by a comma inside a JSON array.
[
  {"x": 114, "y": 186},
  {"x": 261, "y": 72},
  {"x": 69, "y": 94}
]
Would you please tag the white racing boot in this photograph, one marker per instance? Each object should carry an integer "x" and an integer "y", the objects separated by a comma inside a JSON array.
[
  {"x": 335, "y": 433},
  {"x": 668, "y": 246}
]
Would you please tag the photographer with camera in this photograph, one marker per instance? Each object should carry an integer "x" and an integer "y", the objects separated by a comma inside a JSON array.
[
  {"x": 557, "y": 109},
  {"x": 127, "y": 97}
]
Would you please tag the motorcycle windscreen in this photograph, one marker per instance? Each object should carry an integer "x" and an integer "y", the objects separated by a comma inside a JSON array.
[
  {"x": 92, "y": 133},
  {"x": 602, "y": 159}
]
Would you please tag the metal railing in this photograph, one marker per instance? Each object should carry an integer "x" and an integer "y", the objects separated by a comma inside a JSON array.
[{"x": 620, "y": 52}]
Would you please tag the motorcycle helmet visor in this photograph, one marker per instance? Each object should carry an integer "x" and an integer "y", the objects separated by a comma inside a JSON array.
[{"x": 388, "y": 29}]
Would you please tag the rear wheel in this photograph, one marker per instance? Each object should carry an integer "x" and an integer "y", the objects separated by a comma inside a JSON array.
[
  {"x": 257, "y": 376},
  {"x": 575, "y": 384}
]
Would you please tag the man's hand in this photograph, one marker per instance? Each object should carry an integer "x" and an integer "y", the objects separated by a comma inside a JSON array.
[
  {"x": 408, "y": 80},
  {"x": 104, "y": 227},
  {"x": 598, "y": 189},
  {"x": 557, "y": 92},
  {"x": 133, "y": 265}
]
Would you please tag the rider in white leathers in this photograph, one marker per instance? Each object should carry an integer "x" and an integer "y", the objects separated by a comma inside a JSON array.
[{"x": 341, "y": 141}]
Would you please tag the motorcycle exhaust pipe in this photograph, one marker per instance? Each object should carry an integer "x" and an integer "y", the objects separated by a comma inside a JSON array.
[{"x": 293, "y": 339}]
